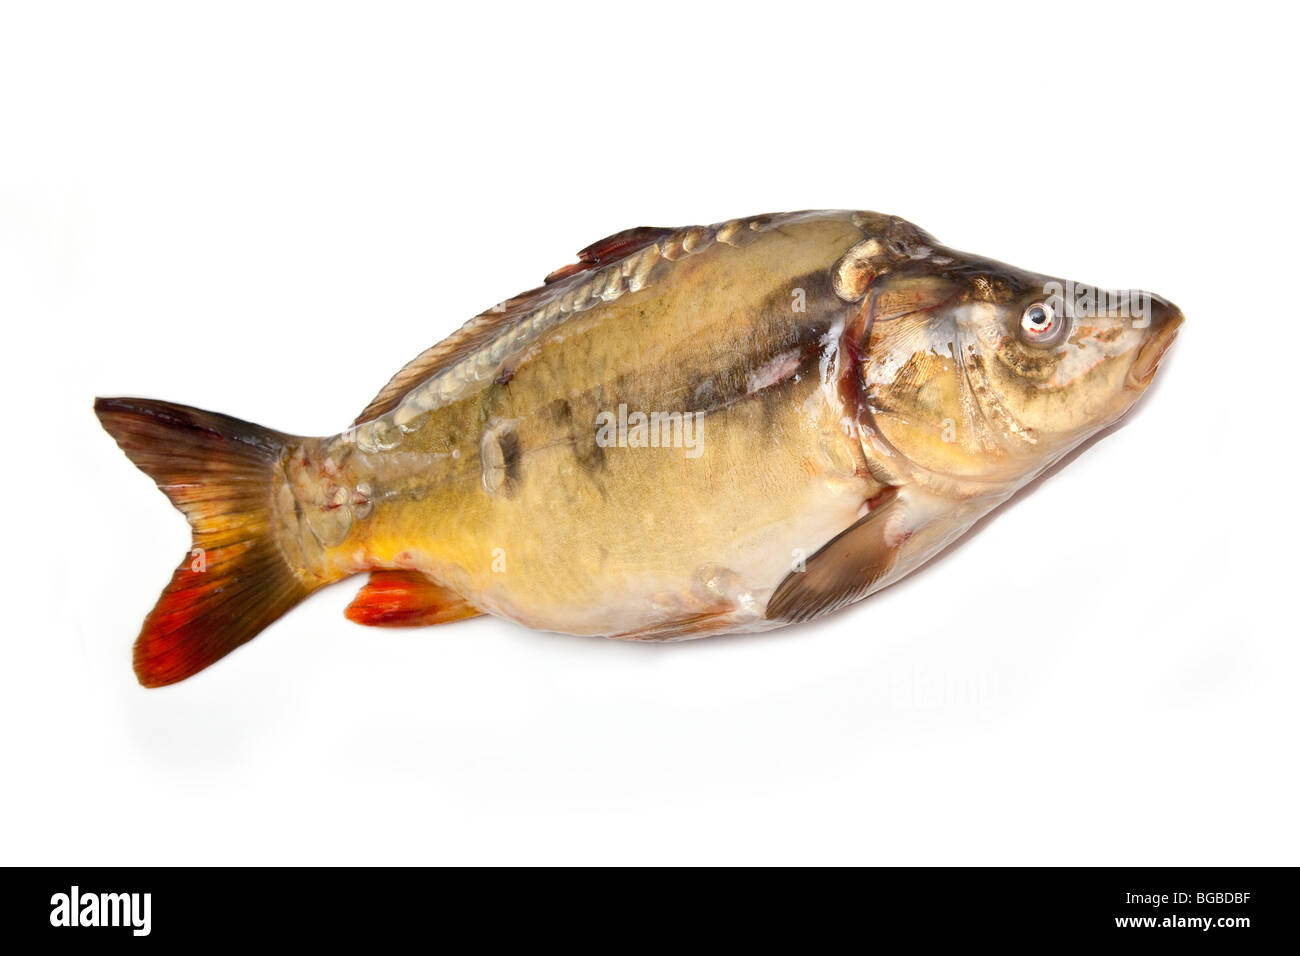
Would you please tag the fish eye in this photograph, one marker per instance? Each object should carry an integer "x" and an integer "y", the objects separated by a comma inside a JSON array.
[{"x": 1040, "y": 324}]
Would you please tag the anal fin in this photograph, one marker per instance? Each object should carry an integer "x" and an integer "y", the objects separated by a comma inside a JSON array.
[{"x": 406, "y": 599}]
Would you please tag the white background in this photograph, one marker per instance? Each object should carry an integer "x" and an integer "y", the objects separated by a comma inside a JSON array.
[{"x": 267, "y": 209}]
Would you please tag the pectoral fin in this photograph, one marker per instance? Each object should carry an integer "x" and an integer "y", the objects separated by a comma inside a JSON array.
[
  {"x": 406, "y": 599},
  {"x": 843, "y": 570}
]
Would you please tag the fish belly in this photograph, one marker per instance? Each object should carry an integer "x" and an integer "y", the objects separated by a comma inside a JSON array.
[{"x": 658, "y": 536}]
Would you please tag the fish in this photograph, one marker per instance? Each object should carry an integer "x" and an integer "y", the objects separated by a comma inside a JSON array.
[{"x": 686, "y": 432}]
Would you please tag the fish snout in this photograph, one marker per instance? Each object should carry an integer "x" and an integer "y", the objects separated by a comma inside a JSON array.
[{"x": 1165, "y": 319}]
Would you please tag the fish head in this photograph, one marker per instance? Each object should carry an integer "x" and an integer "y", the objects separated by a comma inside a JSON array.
[{"x": 975, "y": 370}]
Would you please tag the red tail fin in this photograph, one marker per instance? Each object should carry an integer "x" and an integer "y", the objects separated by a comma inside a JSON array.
[{"x": 217, "y": 470}]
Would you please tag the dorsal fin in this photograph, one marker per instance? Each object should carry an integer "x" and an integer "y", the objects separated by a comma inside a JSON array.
[
  {"x": 610, "y": 248},
  {"x": 484, "y": 327}
]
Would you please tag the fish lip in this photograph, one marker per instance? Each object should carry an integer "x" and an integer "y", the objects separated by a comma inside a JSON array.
[{"x": 1151, "y": 352}]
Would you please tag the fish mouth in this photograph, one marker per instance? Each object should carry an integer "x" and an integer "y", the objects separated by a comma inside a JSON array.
[{"x": 1153, "y": 350}]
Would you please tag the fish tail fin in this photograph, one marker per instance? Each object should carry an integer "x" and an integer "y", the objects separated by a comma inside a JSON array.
[{"x": 235, "y": 581}]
